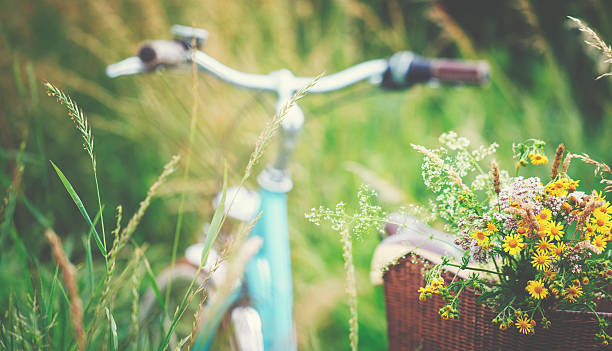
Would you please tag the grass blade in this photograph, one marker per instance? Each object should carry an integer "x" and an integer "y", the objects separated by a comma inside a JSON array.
[
  {"x": 51, "y": 297},
  {"x": 217, "y": 221},
  {"x": 151, "y": 277},
  {"x": 80, "y": 206},
  {"x": 89, "y": 261},
  {"x": 114, "y": 341}
]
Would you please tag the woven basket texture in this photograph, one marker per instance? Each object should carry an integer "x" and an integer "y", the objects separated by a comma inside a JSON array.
[{"x": 415, "y": 325}]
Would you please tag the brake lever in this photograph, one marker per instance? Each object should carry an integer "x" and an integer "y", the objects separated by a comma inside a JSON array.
[{"x": 189, "y": 35}]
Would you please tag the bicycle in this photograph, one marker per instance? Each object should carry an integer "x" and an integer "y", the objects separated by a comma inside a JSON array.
[{"x": 268, "y": 323}]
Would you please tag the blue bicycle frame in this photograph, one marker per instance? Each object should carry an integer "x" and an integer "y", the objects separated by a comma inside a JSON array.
[{"x": 268, "y": 274}]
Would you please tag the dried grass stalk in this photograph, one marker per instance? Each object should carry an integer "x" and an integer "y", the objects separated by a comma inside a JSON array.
[
  {"x": 588, "y": 210},
  {"x": 593, "y": 39},
  {"x": 529, "y": 216},
  {"x": 496, "y": 179},
  {"x": 451, "y": 29},
  {"x": 532, "y": 221},
  {"x": 70, "y": 279},
  {"x": 566, "y": 163},
  {"x": 600, "y": 167},
  {"x": 273, "y": 125},
  {"x": 608, "y": 184},
  {"x": 557, "y": 161},
  {"x": 586, "y": 244},
  {"x": 127, "y": 232}
]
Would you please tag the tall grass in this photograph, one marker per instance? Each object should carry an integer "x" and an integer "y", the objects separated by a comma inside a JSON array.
[{"x": 93, "y": 323}]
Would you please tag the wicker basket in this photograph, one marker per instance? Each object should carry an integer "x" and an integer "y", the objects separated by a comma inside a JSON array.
[{"x": 414, "y": 325}]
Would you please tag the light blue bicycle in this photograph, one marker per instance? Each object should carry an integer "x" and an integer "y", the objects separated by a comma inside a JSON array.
[{"x": 261, "y": 311}]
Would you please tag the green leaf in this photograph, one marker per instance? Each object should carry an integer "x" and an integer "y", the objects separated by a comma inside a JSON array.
[{"x": 80, "y": 206}]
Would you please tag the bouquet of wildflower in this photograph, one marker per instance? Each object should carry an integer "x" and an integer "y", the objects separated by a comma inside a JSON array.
[{"x": 545, "y": 240}]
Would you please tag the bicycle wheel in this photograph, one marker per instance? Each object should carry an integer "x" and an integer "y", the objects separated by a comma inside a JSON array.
[{"x": 155, "y": 322}]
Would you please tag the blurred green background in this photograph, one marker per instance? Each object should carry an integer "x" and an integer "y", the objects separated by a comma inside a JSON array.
[{"x": 542, "y": 86}]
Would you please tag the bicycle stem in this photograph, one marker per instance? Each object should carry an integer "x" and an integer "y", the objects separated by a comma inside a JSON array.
[{"x": 276, "y": 177}]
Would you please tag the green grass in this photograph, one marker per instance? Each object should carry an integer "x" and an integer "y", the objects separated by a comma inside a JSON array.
[{"x": 546, "y": 92}]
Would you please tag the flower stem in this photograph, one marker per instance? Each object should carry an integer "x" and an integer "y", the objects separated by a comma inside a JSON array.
[{"x": 475, "y": 269}]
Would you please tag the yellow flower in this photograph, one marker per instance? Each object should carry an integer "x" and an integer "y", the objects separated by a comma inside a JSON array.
[
  {"x": 544, "y": 246},
  {"x": 523, "y": 324},
  {"x": 589, "y": 230},
  {"x": 481, "y": 236},
  {"x": 536, "y": 289},
  {"x": 555, "y": 231},
  {"x": 491, "y": 227},
  {"x": 566, "y": 207},
  {"x": 432, "y": 288},
  {"x": 572, "y": 185},
  {"x": 521, "y": 164},
  {"x": 598, "y": 196},
  {"x": 544, "y": 215},
  {"x": 487, "y": 245},
  {"x": 601, "y": 222},
  {"x": 538, "y": 159},
  {"x": 558, "y": 249},
  {"x": 541, "y": 261},
  {"x": 550, "y": 275},
  {"x": 558, "y": 188},
  {"x": 522, "y": 230},
  {"x": 605, "y": 209},
  {"x": 436, "y": 284},
  {"x": 599, "y": 242},
  {"x": 513, "y": 244},
  {"x": 544, "y": 227},
  {"x": 572, "y": 292}
]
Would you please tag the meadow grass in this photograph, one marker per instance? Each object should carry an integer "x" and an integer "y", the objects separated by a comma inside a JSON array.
[{"x": 541, "y": 86}]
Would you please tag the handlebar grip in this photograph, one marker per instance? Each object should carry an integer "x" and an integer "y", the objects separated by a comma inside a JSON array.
[
  {"x": 454, "y": 71},
  {"x": 406, "y": 69},
  {"x": 163, "y": 52}
]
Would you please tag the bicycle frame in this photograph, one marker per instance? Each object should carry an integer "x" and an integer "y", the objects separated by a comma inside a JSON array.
[{"x": 268, "y": 274}]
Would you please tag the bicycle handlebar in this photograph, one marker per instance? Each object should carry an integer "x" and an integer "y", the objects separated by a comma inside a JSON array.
[{"x": 402, "y": 70}]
